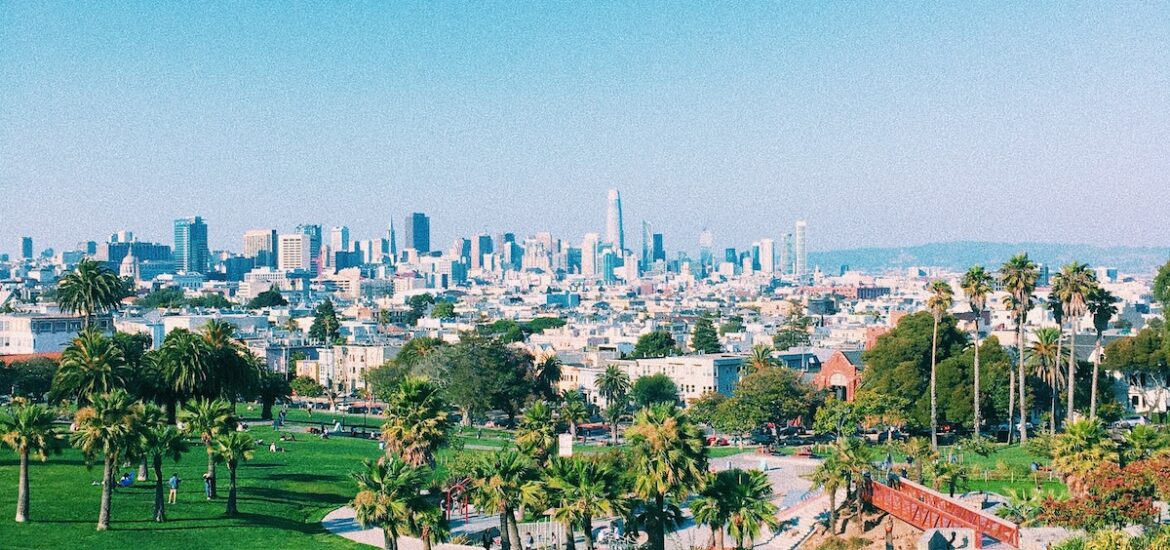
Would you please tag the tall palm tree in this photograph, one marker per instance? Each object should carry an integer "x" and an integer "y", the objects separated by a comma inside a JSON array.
[
  {"x": 1077, "y": 281},
  {"x": 536, "y": 435},
  {"x": 976, "y": 285},
  {"x": 233, "y": 448},
  {"x": 91, "y": 365},
  {"x": 271, "y": 387},
  {"x": 387, "y": 492},
  {"x": 669, "y": 456},
  {"x": 830, "y": 475},
  {"x": 208, "y": 420},
  {"x": 614, "y": 386},
  {"x": 939, "y": 302},
  {"x": 573, "y": 411},
  {"x": 428, "y": 523},
  {"x": 1083, "y": 446},
  {"x": 498, "y": 482},
  {"x": 107, "y": 428},
  {"x": 546, "y": 375},
  {"x": 581, "y": 488},
  {"x": 1102, "y": 304},
  {"x": 163, "y": 441},
  {"x": 416, "y": 421},
  {"x": 28, "y": 430},
  {"x": 749, "y": 508},
  {"x": 761, "y": 357},
  {"x": 1057, "y": 310},
  {"x": 90, "y": 289},
  {"x": 1019, "y": 275},
  {"x": 1044, "y": 357},
  {"x": 186, "y": 362},
  {"x": 228, "y": 360}
]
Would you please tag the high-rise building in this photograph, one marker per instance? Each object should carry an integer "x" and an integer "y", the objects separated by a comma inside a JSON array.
[
  {"x": 339, "y": 239},
  {"x": 295, "y": 252},
  {"x": 785, "y": 267},
  {"x": 314, "y": 246},
  {"x": 615, "y": 233},
  {"x": 191, "y": 252},
  {"x": 659, "y": 250},
  {"x": 589, "y": 244},
  {"x": 392, "y": 250},
  {"x": 481, "y": 244},
  {"x": 706, "y": 259},
  {"x": 122, "y": 237},
  {"x": 767, "y": 256},
  {"x": 418, "y": 233},
  {"x": 647, "y": 258},
  {"x": 26, "y": 248},
  {"x": 260, "y": 245},
  {"x": 800, "y": 260}
]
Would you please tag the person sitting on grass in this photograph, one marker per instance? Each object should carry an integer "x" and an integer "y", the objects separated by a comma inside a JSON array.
[{"x": 126, "y": 481}]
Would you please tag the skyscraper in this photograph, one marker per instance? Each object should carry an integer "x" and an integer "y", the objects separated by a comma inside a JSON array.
[
  {"x": 418, "y": 232},
  {"x": 800, "y": 268},
  {"x": 393, "y": 248},
  {"x": 786, "y": 255},
  {"x": 314, "y": 247},
  {"x": 295, "y": 252},
  {"x": 589, "y": 244},
  {"x": 767, "y": 256},
  {"x": 659, "y": 248},
  {"x": 647, "y": 250},
  {"x": 339, "y": 239},
  {"x": 260, "y": 244},
  {"x": 481, "y": 244},
  {"x": 706, "y": 241},
  {"x": 26, "y": 248},
  {"x": 191, "y": 253},
  {"x": 615, "y": 233}
]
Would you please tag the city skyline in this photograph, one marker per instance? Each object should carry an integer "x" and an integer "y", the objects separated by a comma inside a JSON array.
[{"x": 738, "y": 120}]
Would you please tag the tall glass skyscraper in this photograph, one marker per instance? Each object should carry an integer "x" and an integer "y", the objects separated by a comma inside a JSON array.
[
  {"x": 615, "y": 233},
  {"x": 314, "y": 233},
  {"x": 191, "y": 252},
  {"x": 418, "y": 232},
  {"x": 800, "y": 260}
]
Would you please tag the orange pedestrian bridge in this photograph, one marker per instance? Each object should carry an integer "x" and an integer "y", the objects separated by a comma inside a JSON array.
[{"x": 925, "y": 508}]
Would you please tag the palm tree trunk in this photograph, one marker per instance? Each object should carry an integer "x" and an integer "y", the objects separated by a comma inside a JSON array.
[
  {"x": 976, "y": 375},
  {"x": 570, "y": 538},
  {"x": 107, "y": 492},
  {"x": 658, "y": 530},
  {"x": 1023, "y": 376},
  {"x": 505, "y": 541},
  {"x": 231, "y": 502},
  {"x": 425, "y": 535},
  {"x": 933, "y": 389},
  {"x": 1072, "y": 368},
  {"x": 22, "y": 489},
  {"x": 832, "y": 511},
  {"x": 722, "y": 544},
  {"x": 389, "y": 538},
  {"x": 1052, "y": 414},
  {"x": 587, "y": 527},
  {"x": 1011, "y": 403},
  {"x": 142, "y": 470},
  {"x": 514, "y": 530},
  {"x": 160, "y": 510},
  {"x": 211, "y": 469},
  {"x": 1096, "y": 368},
  {"x": 1059, "y": 352}
]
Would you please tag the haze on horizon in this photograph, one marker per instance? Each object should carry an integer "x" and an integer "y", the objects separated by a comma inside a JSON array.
[{"x": 880, "y": 125}]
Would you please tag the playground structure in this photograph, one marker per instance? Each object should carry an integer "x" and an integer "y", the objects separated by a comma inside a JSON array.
[{"x": 928, "y": 509}]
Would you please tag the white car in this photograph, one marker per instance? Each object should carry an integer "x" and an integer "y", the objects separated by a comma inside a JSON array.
[{"x": 1131, "y": 421}]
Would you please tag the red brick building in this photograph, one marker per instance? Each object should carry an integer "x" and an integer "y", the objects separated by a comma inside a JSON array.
[{"x": 841, "y": 375}]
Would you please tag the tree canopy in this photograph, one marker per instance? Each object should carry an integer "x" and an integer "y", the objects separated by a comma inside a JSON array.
[
  {"x": 269, "y": 298},
  {"x": 656, "y": 388},
  {"x": 705, "y": 339},
  {"x": 655, "y": 344}
]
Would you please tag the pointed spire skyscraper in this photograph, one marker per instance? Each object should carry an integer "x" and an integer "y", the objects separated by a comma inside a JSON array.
[{"x": 615, "y": 233}]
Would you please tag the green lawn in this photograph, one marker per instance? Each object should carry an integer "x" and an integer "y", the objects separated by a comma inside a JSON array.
[{"x": 283, "y": 497}]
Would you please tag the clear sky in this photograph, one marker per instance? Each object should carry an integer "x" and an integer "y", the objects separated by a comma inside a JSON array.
[{"x": 880, "y": 124}]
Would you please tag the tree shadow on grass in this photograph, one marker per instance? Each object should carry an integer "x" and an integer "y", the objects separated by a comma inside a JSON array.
[
  {"x": 281, "y": 496},
  {"x": 308, "y": 478}
]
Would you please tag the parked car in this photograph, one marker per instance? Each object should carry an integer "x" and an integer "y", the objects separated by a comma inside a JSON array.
[
  {"x": 716, "y": 441},
  {"x": 1131, "y": 421}
]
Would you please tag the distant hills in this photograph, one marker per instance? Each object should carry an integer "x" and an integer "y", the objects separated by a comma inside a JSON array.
[{"x": 962, "y": 254}]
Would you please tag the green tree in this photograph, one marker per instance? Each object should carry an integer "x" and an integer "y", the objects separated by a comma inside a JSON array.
[
  {"x": 268, "y": 299},
  {"x": 795, "y": 330},
  {"x": 1083, "y": 445},
  {"x": 418, "y": 306},
  {"x": 233, "y": 448},
  {"x": 1102, "y": 304},
  {"x": 939, "y": 303},
  {"x": 187, "y": 362},
  {"x": 669, "y": 458},
  {"x": 830, "y": 475},
  {"x": 582, "y": 488},
  {"x": 541, "y": 324},
  {"x": 900, "y": 362},
  {"x": 1077, "y": 283},
  {"x": 574, "y": 410},
  {"x": 443, "y": 310},
  {"x": 738, "y": 501},
  {"x": 107, "y": 428},
  {"x": 384, "y": 379},
  {"x": 705, "y": 339},
  {"x": 1044, "y": 358},
  {"x": 658, "y": 343},
  {"x": 91, "y": 365},
  {"x": 546, "y": 376},
  {"x": 234, "y": 370},
  {"x": 655, "y": 388},
  {"x": 417, "y": 349},
  {"x": 536, "y": 435},
  {"x": 388, "y": 490},
  {"x": 705, "y": 408},
  {"x": 29, "y": 431},
  {"x": 1018, "y": 276},
  {"x": 273, "y": 387},
  {"x": 976, "y": 285},
  {"x": 761, "y": 357},
  {"x": 416, "y": 421},
  {"x": 775, "y": 395},
  {"x": 498, "y": 481},
  {"x": 171, "y": 297},
  {"x": 614, "y": 386},
  {"x": 733, "y": 325},
  {"x": 90, "y": 289},
  {"x": 210, "y": 301},
  {"x": 326, "y": 327},
  {"x": 1161, "y": 287},
  {"x": 1143, "y": 442},
  {"x": 161, "y": 441},
  {"x": 305, "y": 386},
  {"x": 30, "y": 379},
  {"x": 208, "y": 420}
]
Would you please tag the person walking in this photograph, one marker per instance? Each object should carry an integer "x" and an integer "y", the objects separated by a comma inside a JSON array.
[
  {"x": 173, "y": 483},
  {"x": 207, "y": 485}
]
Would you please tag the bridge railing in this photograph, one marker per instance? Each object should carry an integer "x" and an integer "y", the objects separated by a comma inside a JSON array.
[{"x": 925, "y": 508}]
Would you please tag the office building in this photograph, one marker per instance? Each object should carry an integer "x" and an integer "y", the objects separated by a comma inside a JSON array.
[
  {"x": 615, "y": 233},
  {"x": 767, "y": 263},
  {"x": 589, "y": 244},
  {"x": 706, "y": 259},
  {"x": 293, "y": 252},
  {"x": 191, "y": 252},
  {"x": 392, "y": 248},
  {"x": 480, "y": 245},
  {"x": 260, "y": 245},
  {"x": 26, "y": 248},
  {"x": 647, "y": 250},
  {"x": 314, "y": 246},
  {"x": 786, "y": 255},
  {"x": 800, "y": 260},
  {"x": 659, "y": 253},
  {"x": 339, "y": 239},
  {"x": 418, "y": 233}
]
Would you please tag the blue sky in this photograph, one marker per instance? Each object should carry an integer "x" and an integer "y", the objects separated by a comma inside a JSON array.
[{"x": 880, "y": 124}]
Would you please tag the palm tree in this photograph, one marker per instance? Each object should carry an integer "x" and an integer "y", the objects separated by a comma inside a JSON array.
[
  {"x": 428, "y": 523},
  {"x": 1102, "y": 304},
  {"x": 209, "y": 419},
  {"x": 160, "y": 441},
  {"x": 1044, "y": 357},
  {"x": 669, "y": 456},
  {"x": 941, "y": 296},
  {"x": 830, "y": 475},
  {"x": 614, "y": 387},
  {"x": 1057, "y": 310},
  {"x": 29, "y": 431},
  {"x": 272, "y": 387},
  {"x": 416, "y": 421},
  {"x": 233, "y": 448},
  {"x": 536, "y": 435},
  {"x": 580, "y": 488},
  {"x": 92, "y": 364},
  {"x": 498, "y": 482},
  {"x": 1076, "y": 281},
  {"x": 749, "y": 508},
  {"x": 546, "y": 375},
  {"x": 1144, "y": 442},
  {"x": 186, "y": 362},
  {"x": 387, "y": 492},
  {"x": 573, "y": 410},
  {"x": 90, "y": 289},
  {"x": 1019, "y": 275},
  {"x": 107, "y": 428},
  {"x": 761, "y": 357},
  {"x": 231, "y": 375},
  {"x": 976, "y": 285},
  {"x": 1083, "y": 445}
]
